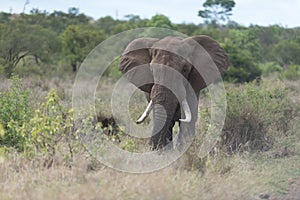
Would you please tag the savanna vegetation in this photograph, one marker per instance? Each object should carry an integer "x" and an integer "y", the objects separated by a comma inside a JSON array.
[{"x": 41, "y": 156}]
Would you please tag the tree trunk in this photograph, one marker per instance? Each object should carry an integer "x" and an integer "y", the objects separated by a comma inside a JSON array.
[
  {"x": 74, "y": 66},
  {"x": 8, "y": 69}
]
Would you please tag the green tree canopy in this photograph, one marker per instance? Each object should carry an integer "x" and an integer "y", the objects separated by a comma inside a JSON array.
[
  {"x": 287, "y": 52},
  {"x": 19, "y": 40},
  {"x": 243, "y": 49},
  {"x": 78, "y": 41},
  {"x": 53, "y": 38},
  {"x": 161, "y": 21},
  {"x": 216, "y": 11}
]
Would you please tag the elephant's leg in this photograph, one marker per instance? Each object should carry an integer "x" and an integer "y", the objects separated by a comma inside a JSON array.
[
  {"x": 187, "y": 129},
  {"x": 159, "y": 141},
  {"x": 186, "y": 135},
  {"x": 155, "y": 141},
  {"x": 169, "y": 134}
]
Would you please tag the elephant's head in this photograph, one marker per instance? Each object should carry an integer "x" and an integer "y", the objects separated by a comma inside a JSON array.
[{"x": 168, "y": 67}]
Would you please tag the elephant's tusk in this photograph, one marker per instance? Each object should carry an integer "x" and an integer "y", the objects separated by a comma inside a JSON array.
[
  {"x": 186, "y": 110},
  {"x": 146, "y": 113}
]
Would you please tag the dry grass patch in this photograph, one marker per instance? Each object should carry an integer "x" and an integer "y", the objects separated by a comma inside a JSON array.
[{"x": 235, "y": 177}]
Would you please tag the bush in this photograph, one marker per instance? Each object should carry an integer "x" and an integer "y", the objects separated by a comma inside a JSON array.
[
  {"x": 269, "y": 68},
  {"x": 50, "y": 124},
  {"x": 287, "y": 51},
  {"x": 1, "y": 70},
  {"x": 244, "y": 52},
  {"x": 256, "y": 114},
  {"x": 35, "y": 132},
  {"x": 292, "y": 72},
  {"x": 15, "y": 110},
  {"x": 243, "y": 68},
  {"x": 113, "y": 72}
]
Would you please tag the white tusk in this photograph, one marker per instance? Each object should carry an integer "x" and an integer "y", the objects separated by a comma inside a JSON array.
[
  {"x": 186, "y": 110},
  {"x": 146, "y": 113}
]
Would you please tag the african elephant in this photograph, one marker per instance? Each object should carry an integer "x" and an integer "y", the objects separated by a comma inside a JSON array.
[{"x": 170, "y": 65}]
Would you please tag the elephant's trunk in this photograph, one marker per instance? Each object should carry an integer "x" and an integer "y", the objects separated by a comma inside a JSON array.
[{"x": 165, "y": 105}]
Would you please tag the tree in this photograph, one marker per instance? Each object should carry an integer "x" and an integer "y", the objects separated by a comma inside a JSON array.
[
  {"x": 188, "y": 29},
  {"x": 5, "y": 17},
  {"x": 78, "y": 41},
  {"x": 107, "y": 24},
  {"x": 19, "y": 40},
  {"x": 59, "y": 20},
  {"x": 287, "y": 52},
  {"x": 243, "y": 49},
  {"x": 216, "y": 11},
  {"x": 161, "y": 21}
]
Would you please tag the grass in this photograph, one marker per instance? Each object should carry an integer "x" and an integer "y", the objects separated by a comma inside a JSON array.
[
  {"x": 222, "y": 175},
  {"x": 247, "y": 177}
]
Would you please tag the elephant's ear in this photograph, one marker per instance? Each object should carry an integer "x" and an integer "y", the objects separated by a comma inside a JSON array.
[
  {"x": 135, "y": 62},
  {"x": 209, "y": 60}
]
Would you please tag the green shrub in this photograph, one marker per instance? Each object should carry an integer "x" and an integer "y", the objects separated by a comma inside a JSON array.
[
  {"x": 29, "y": 69},
  {"x": 129, "y": 145},
  {"x": 15, "y": 110},
  {"x": 1, "y": 70},
  {"x": 292, "y": 72},
  {"x": 269, "y": 68},
  {"x": 243, "y": 68},
  {"x": 113, "y": 71},
  {"x": 244, "y": 52},
  {"x": 50, "y": 124},
  {"x": 256, "y": 114}
]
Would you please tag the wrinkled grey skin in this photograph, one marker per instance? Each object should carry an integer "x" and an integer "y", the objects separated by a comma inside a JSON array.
[{"x": 186, "y": 56}]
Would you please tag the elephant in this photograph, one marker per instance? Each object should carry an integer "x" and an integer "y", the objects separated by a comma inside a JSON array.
[{"x": 168, "y": 70}]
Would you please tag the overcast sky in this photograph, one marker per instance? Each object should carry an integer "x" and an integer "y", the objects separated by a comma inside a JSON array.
[{"x": 262, "y": 12}]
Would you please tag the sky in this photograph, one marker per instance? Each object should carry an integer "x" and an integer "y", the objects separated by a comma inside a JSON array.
[{"x": 285, "y": 13}]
